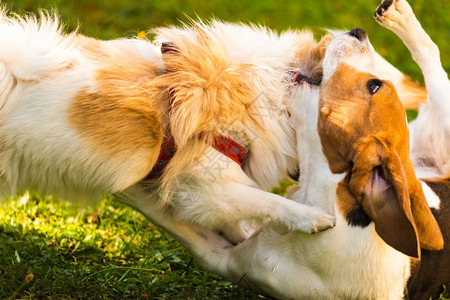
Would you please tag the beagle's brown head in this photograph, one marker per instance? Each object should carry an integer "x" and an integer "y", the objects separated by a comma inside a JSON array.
[{"x": 363, "y": 131}]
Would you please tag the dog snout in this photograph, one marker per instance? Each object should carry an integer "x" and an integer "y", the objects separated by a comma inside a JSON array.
[{"x": 358, "y": 33}]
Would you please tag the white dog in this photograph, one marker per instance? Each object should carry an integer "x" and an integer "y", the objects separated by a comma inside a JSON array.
[{"x": 354, "y": 162}]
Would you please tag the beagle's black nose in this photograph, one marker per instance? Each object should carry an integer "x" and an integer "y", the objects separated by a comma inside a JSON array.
[{"x": 358, "y": 33}]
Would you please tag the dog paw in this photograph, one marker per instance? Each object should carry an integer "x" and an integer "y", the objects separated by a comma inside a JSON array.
[
  {"x": 321, "y": 221},
  {"x": 391, "y": 13},
  {"x": 308, "y": 219}
]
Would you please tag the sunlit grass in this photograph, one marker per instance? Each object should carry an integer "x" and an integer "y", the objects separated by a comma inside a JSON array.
[{"x": 49, "y": 249}]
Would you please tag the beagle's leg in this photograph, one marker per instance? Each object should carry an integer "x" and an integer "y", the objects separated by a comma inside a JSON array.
[
  {"x": 207, "y": 247},
  {"x": 398, "y": 16},
  {"x": 430, "y": 132},
  {"x": 211, "y": 250}
]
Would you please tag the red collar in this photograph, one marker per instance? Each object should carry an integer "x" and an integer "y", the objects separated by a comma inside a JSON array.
[
  {"x": 225, "y": 145},
  {"x": 230, "y": 149}
]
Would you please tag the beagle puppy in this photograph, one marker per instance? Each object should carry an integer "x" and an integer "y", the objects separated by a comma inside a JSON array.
[{"x": 357, "y": 162}]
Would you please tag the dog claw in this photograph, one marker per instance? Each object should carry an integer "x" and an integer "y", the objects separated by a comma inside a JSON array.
[
  {"x": 393, "y": 14},
  {"x": 325, "y": 227},
  {"x": 309, "y": 220},
  {"x": 320, "y": 222}
]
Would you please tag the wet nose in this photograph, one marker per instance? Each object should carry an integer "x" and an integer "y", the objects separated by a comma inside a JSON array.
[{"x": 358, "y": 33}]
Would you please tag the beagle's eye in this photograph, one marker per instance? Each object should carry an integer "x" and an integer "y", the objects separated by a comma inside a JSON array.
[{"x": 374, "y": 85}]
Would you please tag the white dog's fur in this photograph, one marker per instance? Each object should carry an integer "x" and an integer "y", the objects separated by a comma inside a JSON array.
[
  {"x": 346, "y": 262},
  {"x": 81, "y": 117}
]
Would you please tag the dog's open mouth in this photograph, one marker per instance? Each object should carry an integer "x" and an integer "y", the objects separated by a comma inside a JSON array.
[{"x": 299, "y": 78}]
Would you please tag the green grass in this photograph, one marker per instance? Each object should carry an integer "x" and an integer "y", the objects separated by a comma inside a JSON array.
[
  {"x": 49, "y": 250},
  {"x": 112, "y": 251}
]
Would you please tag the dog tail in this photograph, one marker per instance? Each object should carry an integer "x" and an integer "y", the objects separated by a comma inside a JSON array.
[{"x": 30, "y": 48}]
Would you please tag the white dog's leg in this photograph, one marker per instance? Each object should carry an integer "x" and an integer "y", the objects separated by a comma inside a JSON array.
[
  {"x": 272, "y": 208},
  {"x": 224, "y": 205}
]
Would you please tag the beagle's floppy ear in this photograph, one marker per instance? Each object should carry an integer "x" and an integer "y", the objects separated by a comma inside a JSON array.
[
  {"x": 378, "y": 182},
  {"x": 430, "y": 235}
]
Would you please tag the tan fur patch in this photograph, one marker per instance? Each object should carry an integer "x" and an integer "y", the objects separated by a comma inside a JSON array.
[
  {"x": 123, "y": 115},
  {"x": 209, "y": 95}
]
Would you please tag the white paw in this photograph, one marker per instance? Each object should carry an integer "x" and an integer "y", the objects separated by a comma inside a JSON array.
[
  {"x": 391, "y": 13},
  {"x": 307, "y": 219}
]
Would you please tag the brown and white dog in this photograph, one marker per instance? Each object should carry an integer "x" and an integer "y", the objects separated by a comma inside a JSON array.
[
  {"x": 80, "y": 117},
  {"x": 355, "y": 162}
]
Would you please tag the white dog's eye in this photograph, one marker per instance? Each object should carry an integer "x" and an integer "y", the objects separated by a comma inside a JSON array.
[{"x": 373, "y": 85}]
